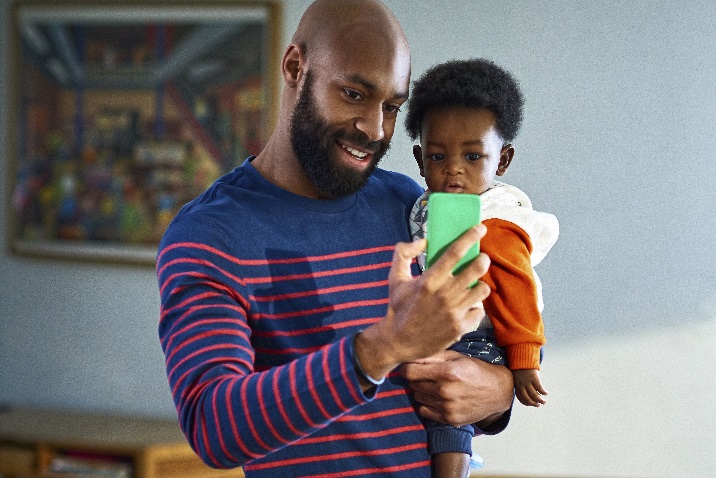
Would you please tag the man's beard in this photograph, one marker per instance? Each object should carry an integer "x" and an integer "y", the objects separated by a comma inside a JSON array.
[{"x": 313, "y": 141}]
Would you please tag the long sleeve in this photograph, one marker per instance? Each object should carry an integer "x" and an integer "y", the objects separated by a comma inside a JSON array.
[
  {"x": 230, "y": 412},
  {"x": 512, "y": 305},
  {"x": 225, "y": 406}
]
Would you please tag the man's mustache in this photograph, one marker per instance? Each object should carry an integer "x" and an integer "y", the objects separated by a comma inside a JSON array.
[{"x": 361, "y": 140}]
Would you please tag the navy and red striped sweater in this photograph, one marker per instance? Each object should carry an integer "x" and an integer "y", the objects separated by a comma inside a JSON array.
[{"x": 261, "y": 291}]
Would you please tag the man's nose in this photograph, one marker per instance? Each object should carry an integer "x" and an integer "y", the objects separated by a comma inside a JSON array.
[{"x": 371, "y": 123}]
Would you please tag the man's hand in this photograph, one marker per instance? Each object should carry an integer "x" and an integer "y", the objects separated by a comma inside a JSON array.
[
  {"x": 458, "y": 390},
  {"x": 427, "y": 313}
]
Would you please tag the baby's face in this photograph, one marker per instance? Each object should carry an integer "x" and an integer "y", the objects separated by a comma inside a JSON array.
[{"x": 460, "y": 150}]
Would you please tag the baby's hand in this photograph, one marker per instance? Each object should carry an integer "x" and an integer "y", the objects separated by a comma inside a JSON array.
[{"x": 528, "y": 388}]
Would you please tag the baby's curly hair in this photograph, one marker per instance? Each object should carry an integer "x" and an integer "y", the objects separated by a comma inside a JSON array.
[{"x": 475, "y": 83}]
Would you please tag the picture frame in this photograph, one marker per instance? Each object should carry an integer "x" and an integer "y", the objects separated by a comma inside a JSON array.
[{"x": 121, "y": 112}]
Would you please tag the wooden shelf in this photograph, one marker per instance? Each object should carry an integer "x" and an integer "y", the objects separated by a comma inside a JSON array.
[{"x": 156, "y": 448}]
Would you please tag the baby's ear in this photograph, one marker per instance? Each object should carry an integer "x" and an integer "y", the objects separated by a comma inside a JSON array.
[
  {"x": 418, "y": 155},
  {"x": 506, "y": 155}
]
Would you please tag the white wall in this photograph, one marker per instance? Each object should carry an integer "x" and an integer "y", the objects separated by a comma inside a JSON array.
[{"x": 618, "y": 142}]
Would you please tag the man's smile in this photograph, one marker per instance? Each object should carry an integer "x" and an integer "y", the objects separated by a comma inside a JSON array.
[
  {"x": 358, "y": 154},
  {"x": 355, "y": 156}
]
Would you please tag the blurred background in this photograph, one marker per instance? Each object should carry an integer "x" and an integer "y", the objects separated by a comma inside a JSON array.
[{"x": 618, "y": 142}]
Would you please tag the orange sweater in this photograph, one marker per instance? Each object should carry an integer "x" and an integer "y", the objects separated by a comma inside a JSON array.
[{"x": 512, "y": 305}]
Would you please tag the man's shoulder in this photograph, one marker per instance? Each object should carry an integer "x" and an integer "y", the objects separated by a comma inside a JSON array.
[
  {"x": 223, "y": 194},
  {"x": 212, "y": 209}
]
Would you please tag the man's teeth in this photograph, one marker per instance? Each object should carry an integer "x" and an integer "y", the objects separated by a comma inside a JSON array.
[{"x": 355, "y": 152}]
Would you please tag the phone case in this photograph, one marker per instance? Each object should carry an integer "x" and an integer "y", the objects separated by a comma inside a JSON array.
[{"x": 449, "y": 216}]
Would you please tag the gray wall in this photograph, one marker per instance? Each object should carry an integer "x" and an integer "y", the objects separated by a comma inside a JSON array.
[
  {"x": 74, "y": 334},
  {"x": 618, "y": 142}
]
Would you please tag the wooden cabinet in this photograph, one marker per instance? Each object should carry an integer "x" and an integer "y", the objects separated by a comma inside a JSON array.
[{"x": 32, "y": 439}]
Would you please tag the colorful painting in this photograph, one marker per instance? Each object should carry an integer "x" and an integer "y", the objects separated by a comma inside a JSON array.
[{"x": 124, "y": 113}]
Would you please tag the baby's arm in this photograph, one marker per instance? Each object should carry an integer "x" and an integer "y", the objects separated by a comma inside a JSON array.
[
  {"x": 528, "y": 387},
  {"x": 513, "y": 304}
]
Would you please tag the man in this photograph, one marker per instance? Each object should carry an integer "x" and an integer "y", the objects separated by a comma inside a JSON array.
[{"x": 287, "y": 306}]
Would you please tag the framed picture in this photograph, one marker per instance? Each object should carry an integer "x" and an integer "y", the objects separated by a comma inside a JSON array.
[{"x": 121, "y": 112}]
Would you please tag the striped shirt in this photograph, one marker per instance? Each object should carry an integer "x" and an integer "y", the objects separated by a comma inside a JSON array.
[{"x": 261, "y": 292}]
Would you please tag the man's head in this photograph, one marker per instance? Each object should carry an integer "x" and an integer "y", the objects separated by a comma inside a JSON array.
[
  {"x": 313, "y": 140},
  {"x": 465, "y": 114},
  {"x": 346, "y": 74}
]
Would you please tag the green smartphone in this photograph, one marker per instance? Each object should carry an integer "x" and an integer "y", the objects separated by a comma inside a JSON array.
[{"x": 450, "y": 215}]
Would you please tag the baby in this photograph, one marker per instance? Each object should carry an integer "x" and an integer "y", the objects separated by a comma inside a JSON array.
[{"x": 465, "y": 115}]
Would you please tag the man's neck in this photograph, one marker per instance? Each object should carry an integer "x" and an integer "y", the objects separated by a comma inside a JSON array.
[{"x": 278, "y": 165}]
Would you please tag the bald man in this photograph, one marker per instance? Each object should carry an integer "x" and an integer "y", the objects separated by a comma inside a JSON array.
[{"x": 295, "y": 325}]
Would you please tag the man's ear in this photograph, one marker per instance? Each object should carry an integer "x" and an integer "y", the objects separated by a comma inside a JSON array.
[
  {"x": 292, "y": 65},
  {"x": 506, "y": 155},
  {"x": 418, "y": 155}
]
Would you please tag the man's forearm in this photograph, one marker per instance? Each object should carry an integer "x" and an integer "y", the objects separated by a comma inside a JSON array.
[
  {"x": 501, "y": 401},
  {"x": 371, "y": 358}
]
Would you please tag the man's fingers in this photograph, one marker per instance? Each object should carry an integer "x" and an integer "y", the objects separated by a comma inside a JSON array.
[
  {"x": 428, "y": 398},
  {"x": 476, "y": 269},
  {"x": 458, "y": 249},
  {"x": 439, "y": 358},
  {"x": 403, "y": 256},
  {"x": 473, "y": 317},
  {"x": 415, "y": 372},
  {"x": 430, "y": 413}
]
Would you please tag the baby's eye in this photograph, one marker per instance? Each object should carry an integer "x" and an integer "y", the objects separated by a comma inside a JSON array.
[
  {"x": 436, "y": 157},
  {"x": 473, "y": 156}
]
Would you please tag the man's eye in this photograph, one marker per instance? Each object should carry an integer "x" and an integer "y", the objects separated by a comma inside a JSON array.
[
  {"x": 354, "y": 95},
  {"x": 393, "y": 109}
]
